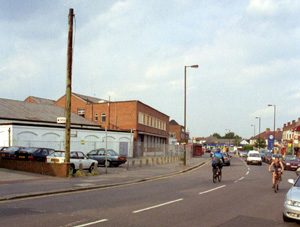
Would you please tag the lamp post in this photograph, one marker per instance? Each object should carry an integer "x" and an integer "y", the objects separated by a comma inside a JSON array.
[
  {"x": 184, "y": 145},
  {"x": 253, "y": 132},
  {"x": 258, "y": 132},
  {"x": 274, "y": 124}
]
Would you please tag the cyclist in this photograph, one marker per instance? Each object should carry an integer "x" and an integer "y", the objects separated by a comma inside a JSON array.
[
  {"x": 216, "y": 160},
  {"x": 278, "y": 168}
]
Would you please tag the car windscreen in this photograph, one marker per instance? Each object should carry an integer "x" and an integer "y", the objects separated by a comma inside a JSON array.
[
  {"x": 253, "y": 155},
  {"x": 10, "y": 149},
  {"x": 297, "y": 184},
  {"x": 292, "y": 159},
  {"x": 29, "y": 149},
  {"x": 112, "y": 153}
]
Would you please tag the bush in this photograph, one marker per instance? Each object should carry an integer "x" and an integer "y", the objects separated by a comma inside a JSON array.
[{"x": 248, "y": 147}]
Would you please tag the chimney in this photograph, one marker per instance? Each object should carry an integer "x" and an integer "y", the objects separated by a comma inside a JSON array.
[
  {"x": 267, "y": 130},
  {"x": 299, "y": 119},
  {"x": 293, "y": 122},
  {"x": 289, "y": 123},
  {"x": 284, "y": 125},
  {"x": 278, "y": 129}
]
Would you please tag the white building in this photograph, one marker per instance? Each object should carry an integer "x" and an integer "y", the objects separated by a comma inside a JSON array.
[{"x": 35, "y": 125}]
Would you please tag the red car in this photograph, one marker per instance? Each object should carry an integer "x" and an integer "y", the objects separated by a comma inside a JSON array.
[{"x": 291, "y": 162}]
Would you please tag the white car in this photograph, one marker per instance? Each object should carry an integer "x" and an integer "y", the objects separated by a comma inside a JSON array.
[
  {"x": 253, "y": 158},
  {"x": 291, "y": 205},
  {"x": 76, "y": 158}
]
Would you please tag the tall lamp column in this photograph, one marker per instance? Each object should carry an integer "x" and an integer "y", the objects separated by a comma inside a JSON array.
[{"x": 185, "y": 141}]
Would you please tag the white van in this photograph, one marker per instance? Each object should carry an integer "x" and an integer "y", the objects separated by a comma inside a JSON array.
[{"x": 253, "y": 158}]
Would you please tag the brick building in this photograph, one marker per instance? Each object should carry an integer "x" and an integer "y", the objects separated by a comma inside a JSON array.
[
  {"x": 150, "y": 126},
  {"x": 177, "y": 131}
]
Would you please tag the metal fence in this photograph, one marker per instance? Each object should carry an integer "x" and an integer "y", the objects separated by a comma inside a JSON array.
[{"x": 125, "y": 148}]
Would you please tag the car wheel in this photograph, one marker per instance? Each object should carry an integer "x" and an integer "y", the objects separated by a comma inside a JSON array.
[
  {"x": 247, "y": 163},
  {"x": 285, "y": 218},
  {"x": 108, "y": 163},
  {"x": 72, "y": 169},
  {"x": 92, "y": 167}
]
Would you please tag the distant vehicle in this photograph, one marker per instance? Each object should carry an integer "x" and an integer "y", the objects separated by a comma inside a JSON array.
[
  {"x": 9, "y": 152},
  {"x": 291, "y": 209},
  {"x": 262, "y": 153},
  {"x": 254, "y": 158},
  {"x": 226, "y": 159},
  {"x": 113, "y": 159},
  {"x": 76, "y": 158},
  {"x": 265, "y": 156},
  {"x": 291, "y": 162},
  {"x": 268, "y": 158},
  {"x": 276, "y": 155},
  {"x": 243, "y": 154},
  {"x": 33, "y": 154}
]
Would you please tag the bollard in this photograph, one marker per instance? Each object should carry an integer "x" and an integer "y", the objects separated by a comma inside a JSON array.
[
  {"x": 153, "y": 162},
  {"x": 133, "y": 162},
  {"x": 80, "y": 167},
  {"x": 157, "y": 162},
  {"x": 147, "y": 162},
  {"x": 141, "y": 162}
]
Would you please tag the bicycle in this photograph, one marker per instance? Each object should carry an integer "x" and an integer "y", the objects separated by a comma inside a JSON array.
[
  {"x": 217, "y": 174},
  {"x": 276, "y": 186}
]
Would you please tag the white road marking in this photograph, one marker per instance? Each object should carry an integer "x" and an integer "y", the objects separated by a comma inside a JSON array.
[
  {"x": 239, "y": 179},
  {"x": 163, "y": 204},
  {"x": 92, "y": 223},
  {"x": 200, "y": 193},
  {"x": 247, "y": 172}
]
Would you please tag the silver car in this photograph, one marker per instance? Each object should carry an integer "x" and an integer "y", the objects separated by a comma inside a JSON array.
[{"x": 291, "y": 205}]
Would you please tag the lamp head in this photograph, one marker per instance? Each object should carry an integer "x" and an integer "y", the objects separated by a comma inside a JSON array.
[{"x": 194, "y": 66}]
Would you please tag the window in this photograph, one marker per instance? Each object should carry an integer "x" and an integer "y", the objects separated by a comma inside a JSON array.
[
  {"x": 153, "y": 122},
  {"x": 103, "y": 117},
  {"x": 80, "y": 112},
  {"x": 172, "y": 134},
  {"x": 96, "y": 117},
  {"x": 141, "y": 118}
]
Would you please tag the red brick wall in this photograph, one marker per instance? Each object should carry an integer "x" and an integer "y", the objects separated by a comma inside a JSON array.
[
  {"x": 75, "y": 103},
  {"x": 52, "y": 169},
  {"x": 153, "y": 113}
]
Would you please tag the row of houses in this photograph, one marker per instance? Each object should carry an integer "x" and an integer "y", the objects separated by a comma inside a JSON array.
[{"x": 33, "y": 122}]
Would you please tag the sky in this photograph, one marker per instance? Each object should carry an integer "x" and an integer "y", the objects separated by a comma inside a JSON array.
[{"x": 248, "y": 52}]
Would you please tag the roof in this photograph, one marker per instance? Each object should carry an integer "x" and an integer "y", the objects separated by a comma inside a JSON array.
[
  {"x": 89, "y": 99},
  {"x": 173, "y": 122},
  {"x": 28, "y": 111},
  {"x": 264, "y": 135},
  {"x": 41, "y": 100}
]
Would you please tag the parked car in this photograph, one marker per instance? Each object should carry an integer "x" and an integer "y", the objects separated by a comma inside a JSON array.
[
  {"x": 113, "y": 159},
  {"x": 254, "y": 158},
  {"x": 9, "y": 152},
  {"x": 291, "y": 162},
  {"x": 226, "y": 159},
  {"x": 3, "y": 148},
  {"x": 291, "y": 205},
  {"x": 76, "y": 158},
  {"x": 33, "y": 154}
]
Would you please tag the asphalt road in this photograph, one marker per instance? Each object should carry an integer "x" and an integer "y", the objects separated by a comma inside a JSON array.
[{"x": 243, "y": 198}]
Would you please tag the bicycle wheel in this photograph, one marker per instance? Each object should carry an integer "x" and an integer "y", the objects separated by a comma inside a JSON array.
[
  {"x": 214, "y": 176},
  {"x": 276, "y": 186},
  {"x": 220, "y": 176}
]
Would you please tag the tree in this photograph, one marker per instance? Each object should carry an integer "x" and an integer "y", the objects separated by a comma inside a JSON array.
[
  {"x": 217, "y": 135},
  {"x": 237, "y": 140},
  {"x": 261, "y": 143},
  {"x": 229, "y": 135}
]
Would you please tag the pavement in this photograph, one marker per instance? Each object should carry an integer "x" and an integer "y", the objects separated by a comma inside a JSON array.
[{"x": 17, "y": 184}]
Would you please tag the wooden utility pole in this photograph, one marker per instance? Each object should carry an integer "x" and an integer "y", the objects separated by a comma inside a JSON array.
[{"x": 69, "y": 86}]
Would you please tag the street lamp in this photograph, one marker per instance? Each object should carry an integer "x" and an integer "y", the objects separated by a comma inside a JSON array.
[
  {"x": 184, "y": 145},
  {"x": 254, "y": 132},
  {"x": 274, "y": 124},
  {"x": 258, "y": 133}
]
